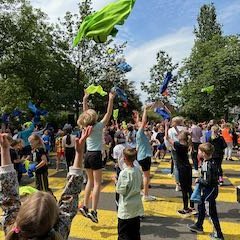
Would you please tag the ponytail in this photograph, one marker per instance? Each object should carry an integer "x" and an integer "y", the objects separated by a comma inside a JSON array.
[{"x": 68, "y": 139}]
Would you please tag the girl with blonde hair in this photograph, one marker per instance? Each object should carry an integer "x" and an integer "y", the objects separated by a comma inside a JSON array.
[
  {"x": 39, "y": 156},
  {"x": 39, "y": 217},
  {"x": 93, "y": 156}
]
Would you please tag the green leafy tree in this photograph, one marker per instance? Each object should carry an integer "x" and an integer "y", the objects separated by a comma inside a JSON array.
[
  {"x": 214, "y": 60},
  {"x": 30, "y": 60},
  {"x": 208, "y": 27},
  {"x": 163, "y": 65},
  {"x": 93, "y": 64}
]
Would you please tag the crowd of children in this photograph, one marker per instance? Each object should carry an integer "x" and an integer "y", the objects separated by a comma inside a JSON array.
[{"x": 133, "y": 147}]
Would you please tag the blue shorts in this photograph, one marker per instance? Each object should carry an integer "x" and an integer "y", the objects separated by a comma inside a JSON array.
[{"x": 162, "y": 147}]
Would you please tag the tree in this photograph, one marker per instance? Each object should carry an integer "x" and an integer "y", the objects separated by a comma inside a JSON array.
[
  {"x": 214, "y": 60},
  {"x": 30, "y": 60},
  {"x": 93, "y": 64},
  {"x": 158, "y": 71},
  {"x": 208, "y": 27}
]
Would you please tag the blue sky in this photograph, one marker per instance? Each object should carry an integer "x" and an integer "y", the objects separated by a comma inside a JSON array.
[{"x": 155, "y": 25}]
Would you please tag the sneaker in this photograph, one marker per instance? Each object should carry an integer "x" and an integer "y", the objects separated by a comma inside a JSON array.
[
  {"x": 195, "y": 173},
  {"x": 185, "y": 213},
  {"x": 178, "y": 188},
  {"x": 213, "y": 236},
  {"x": 230, "y": 159},
  {"x": 193, "y": 211},
  {"x": 148, "y": 198},
  {"x": 93, "y": 216},
  {"x": 84, "y": 211},
  {"x": 194, "y": 228}
]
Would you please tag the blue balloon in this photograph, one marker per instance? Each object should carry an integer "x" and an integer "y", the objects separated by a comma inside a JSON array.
[
  {"x": 124, "y": 67},
  {"x": 31, "y": 169},
  {"x": 120, "y": 93},
  {"x": 165, "y": 83},
  {"x": 162, "y": 112},
  {"x": 37, "y": 112}
]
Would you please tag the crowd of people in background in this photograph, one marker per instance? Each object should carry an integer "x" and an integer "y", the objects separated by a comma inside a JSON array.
[{"x": 133, "y": 147}]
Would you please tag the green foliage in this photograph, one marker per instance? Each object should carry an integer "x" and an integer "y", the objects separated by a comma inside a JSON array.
[
  {"x": 163, "y": 65},
  {"x": 208, "y": 27},
  {"x": 38, "y": 62},
  {"x": 214, "y": 60}
]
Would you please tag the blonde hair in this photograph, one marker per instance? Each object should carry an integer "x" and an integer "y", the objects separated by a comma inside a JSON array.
[
  {"x": 185, "y": 136},
  {"x": 178, "y": 120},
  {"x": 130, "y": 154},
  {"x": 39, "y": 141},
  {"x": 87, "y": 118},
  {"x": 207, "y": 148},
  {"x": 36, "y": 219}
]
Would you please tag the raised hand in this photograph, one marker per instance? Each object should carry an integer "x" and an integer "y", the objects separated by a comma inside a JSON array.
[
  {"x": 79, "y": 142},
  {"x": 4, "y": 140}
]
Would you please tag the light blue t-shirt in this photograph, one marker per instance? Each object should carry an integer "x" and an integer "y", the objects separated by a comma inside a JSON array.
[
  {"x": 95, "y": 140},
  {"x": 143, "y": 145}
]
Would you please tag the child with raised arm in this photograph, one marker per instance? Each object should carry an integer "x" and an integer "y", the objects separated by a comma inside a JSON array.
[
  {"x": 181, "y": 147},
  {"x": 130, "y": 205},
  {"x": 209, "y": 188},
  {"x": 93, "y": 156},
  {"x": 144, "y": 154},
  {"x": 39, "y": 216}
]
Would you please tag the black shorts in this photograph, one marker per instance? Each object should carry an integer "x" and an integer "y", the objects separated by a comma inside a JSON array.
[
  {"x": 93, "y": 160},
  {"x": 145, "y": 164}
]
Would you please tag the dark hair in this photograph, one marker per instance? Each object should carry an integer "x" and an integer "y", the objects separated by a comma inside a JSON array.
[{"x": 68, "y": 139}]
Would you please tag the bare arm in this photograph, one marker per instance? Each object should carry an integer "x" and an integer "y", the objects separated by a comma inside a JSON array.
[
  {"x": 108, "y": 115},
  {"x": 144, "y": 118},
  {"x": 85, "y": 102},
  {"x": 68, "y": 204},
  {"x": 43, "y": 162},
  {"x": 166, "y": 133}
]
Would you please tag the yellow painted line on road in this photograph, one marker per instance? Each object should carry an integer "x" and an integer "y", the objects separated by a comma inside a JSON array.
[
  {"x": 234, "y": 181},
  {"x": 227, "y": 194},
  {"x": 106, "y": 228},
  {"x": 231, "y": 230}
]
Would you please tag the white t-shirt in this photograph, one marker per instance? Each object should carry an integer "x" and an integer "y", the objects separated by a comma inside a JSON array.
[
  {"x": 73, "y": 140},
  {"x": 118, "y": 155},
  {"x": 172, "y": 133},
  {"x": 153, "y": 138}
]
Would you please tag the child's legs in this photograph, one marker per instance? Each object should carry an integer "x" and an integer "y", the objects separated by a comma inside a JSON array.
[
  {"x": 42, "y": 181},
  {"x": 185, "y": 183},
  {"x": 214, "y": 217},
  {"x": 157, "y": 154},
  {"x": 219, "y": 165},
  {"x": 230, "y": 148},
  {"x": 146, "y": 181},
  {"x": 175, "y": 169},
  {"x": 58, "y": 157},
  {"x": 97, "y": 180},
  {"x": 129, "y": 229},
  {"x": 194, "y": 155},
  {"x": 201, "y": 213},
  {"x": 88, "y": 187},
  {"x": 146, "y": 165}
]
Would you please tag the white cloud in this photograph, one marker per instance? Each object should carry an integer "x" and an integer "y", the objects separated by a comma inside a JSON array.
[
  {"x": 58, "y": 8},
  {"x": 227, "y": 13},
  {"x": 178, "y": 45}
]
